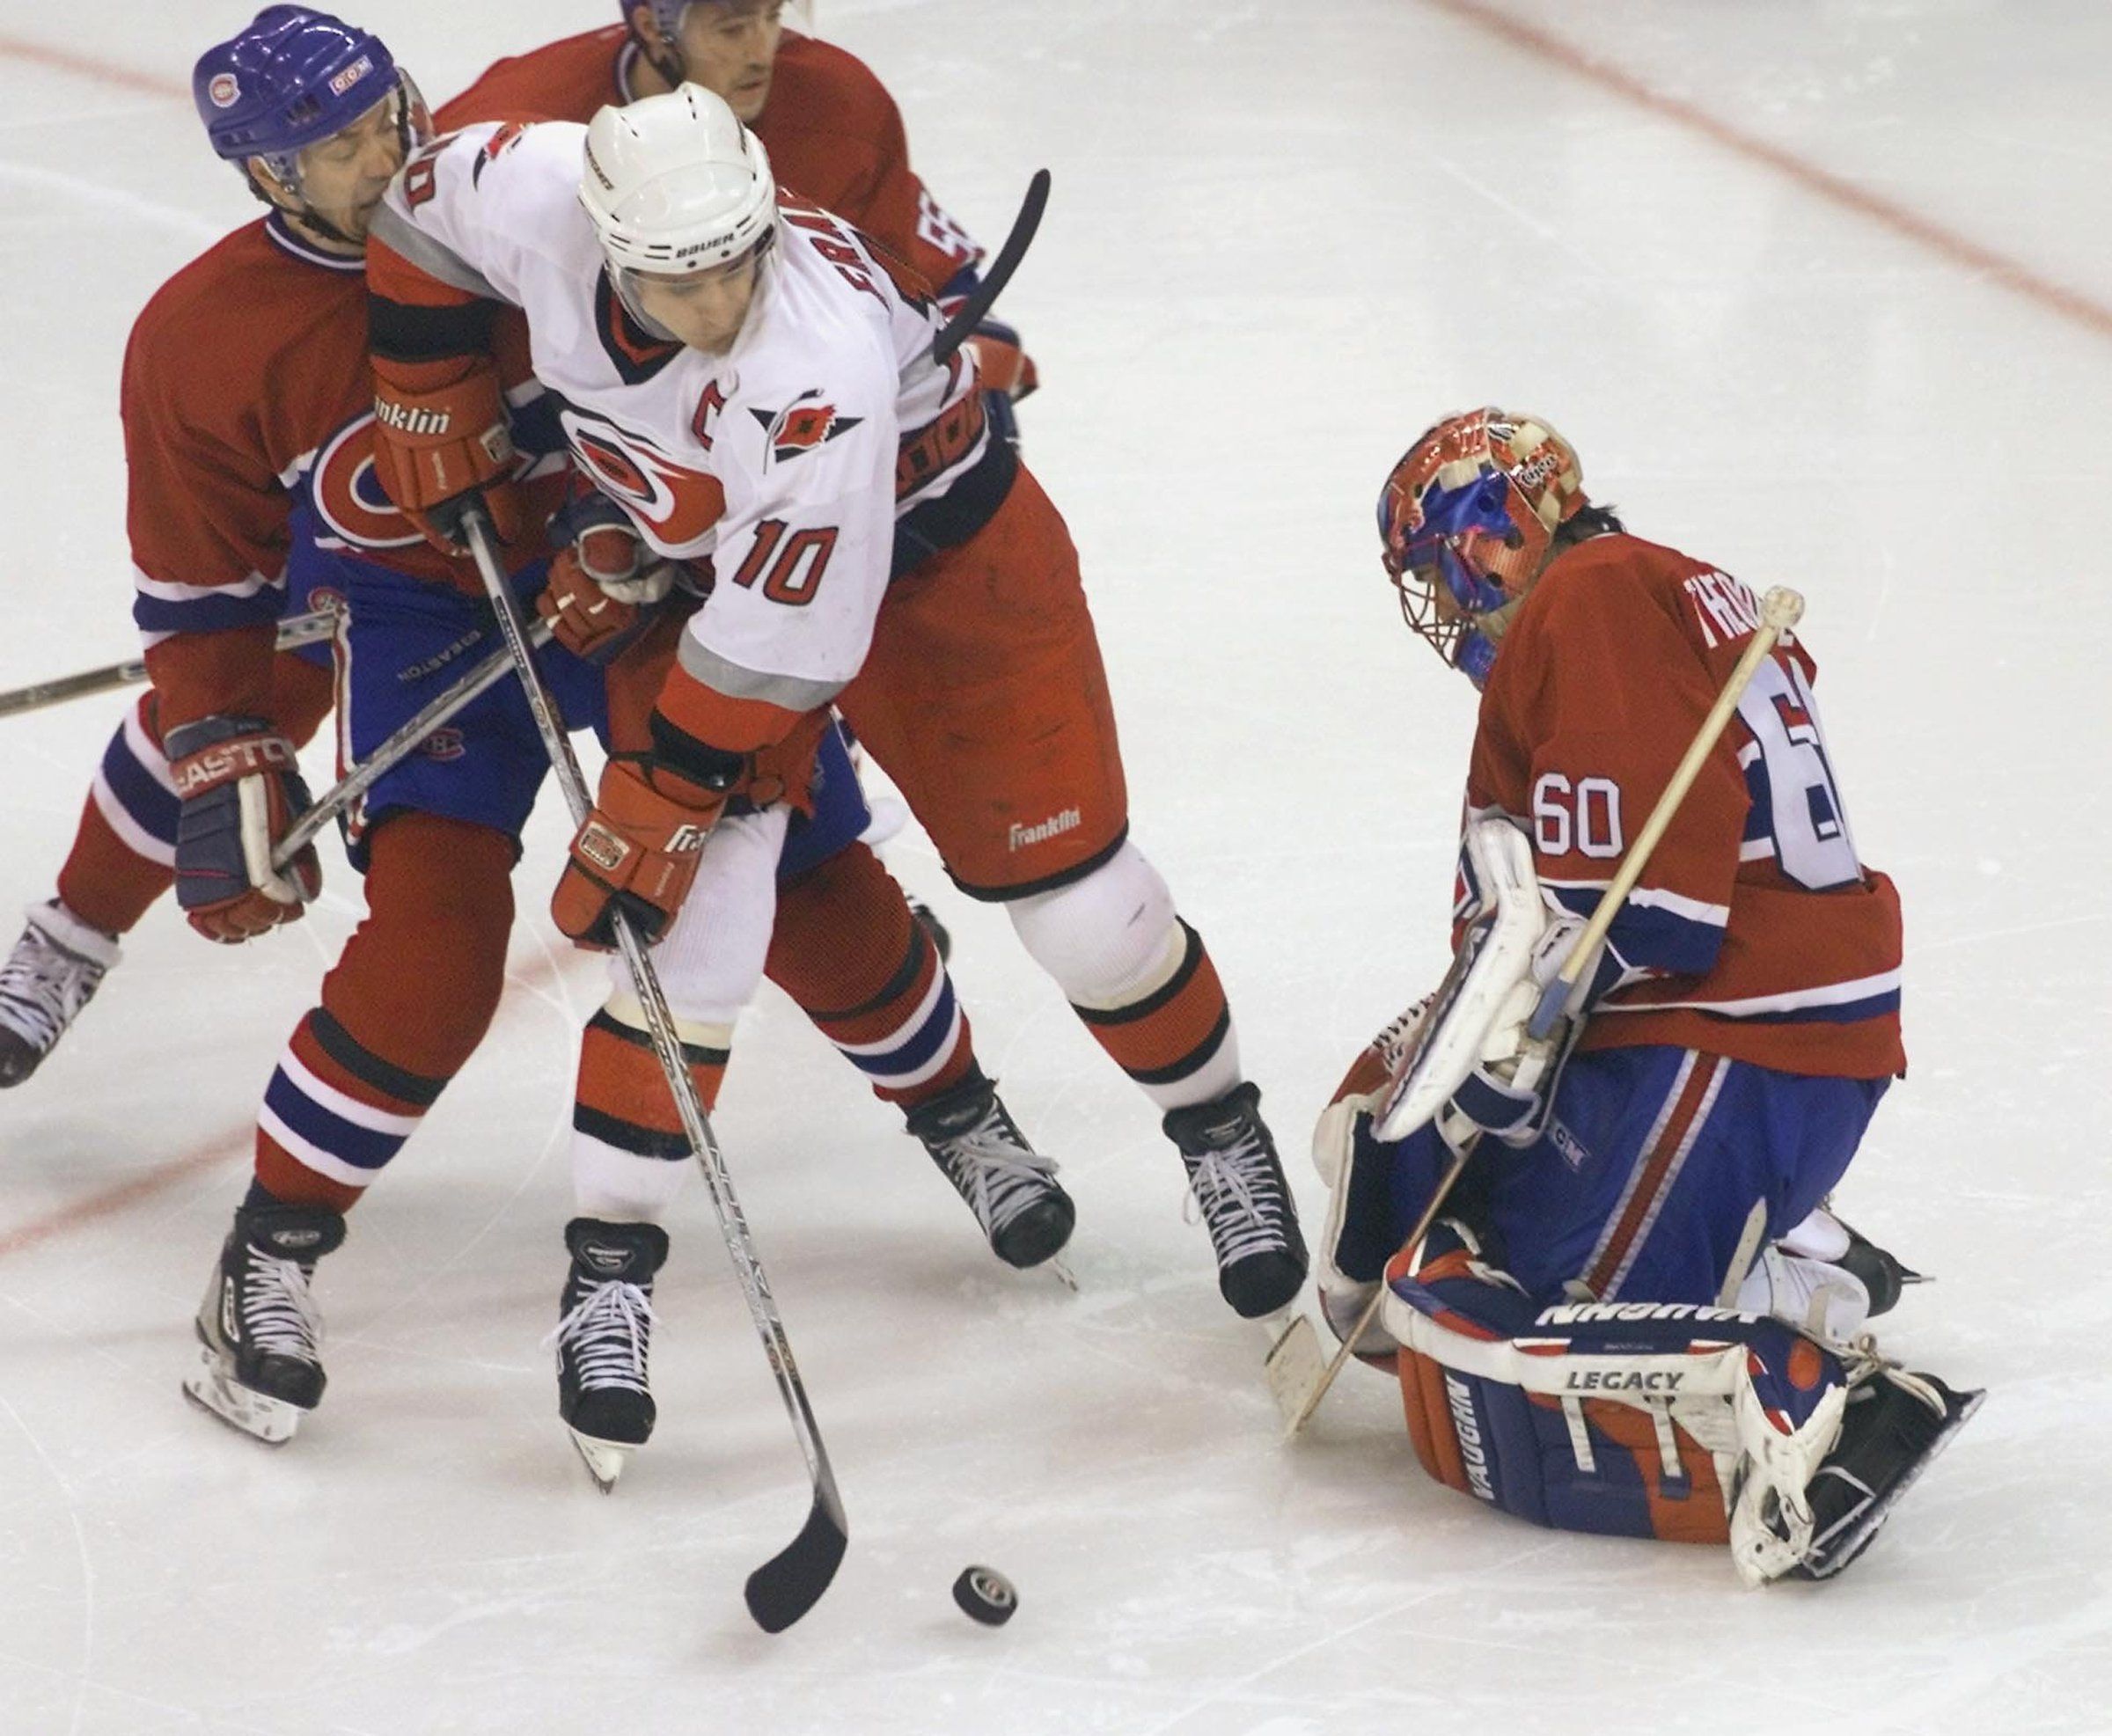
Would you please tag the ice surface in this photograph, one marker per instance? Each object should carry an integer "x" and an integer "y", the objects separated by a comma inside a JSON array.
[{"x": 1284, "y": 238}]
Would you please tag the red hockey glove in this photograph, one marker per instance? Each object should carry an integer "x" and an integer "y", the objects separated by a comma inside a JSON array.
[
  {"x": 604, "y": 583},
  {"x": 241, "y": 789},
  {"x": 442, "y": 442},
  {"x": 1001, "y": 364},
  {"x": 636, "y": 852}
]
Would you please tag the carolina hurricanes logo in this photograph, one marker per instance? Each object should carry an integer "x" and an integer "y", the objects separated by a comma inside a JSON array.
[
  {"x": 496, "y": 147},
  {"x": 679, "y": 506},
  {"x": 803, "y": 426}
]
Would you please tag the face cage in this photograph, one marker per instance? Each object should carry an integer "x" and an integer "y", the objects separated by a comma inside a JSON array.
[
  {"x": 623, "y": 278},
  {"x": 413, "y": 128},
  {"x": 1467, "y": 640}
]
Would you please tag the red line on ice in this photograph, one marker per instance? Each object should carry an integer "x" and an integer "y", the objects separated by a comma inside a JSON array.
[
  {"x": 81, "y": 66},
  {"x": 113, "y": 1200},
  {"x": 2020, "y": 279}
]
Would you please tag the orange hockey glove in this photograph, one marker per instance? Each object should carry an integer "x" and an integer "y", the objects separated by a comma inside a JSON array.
[
  {"x": 442, "y": 442},
  {"x": 1001, "y": 364},
  {"x": 604, "y": 583},
  {"x": 636, "y": 852}
]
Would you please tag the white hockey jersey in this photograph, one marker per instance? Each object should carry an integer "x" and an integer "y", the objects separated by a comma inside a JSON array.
[{"x": 785, "y": 462}]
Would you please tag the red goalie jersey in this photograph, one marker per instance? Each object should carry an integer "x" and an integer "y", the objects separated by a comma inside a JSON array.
[{"x": 1756, "y": 932}]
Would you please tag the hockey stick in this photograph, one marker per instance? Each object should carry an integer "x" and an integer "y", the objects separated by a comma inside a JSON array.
[
  {"x": 1780, "y": 609},
  {"x": 791, "y": 1582},
  {"x": 294, "y": 630},
  {"x": 958, "y": 330},
  {"x": 401, "y": 746}
]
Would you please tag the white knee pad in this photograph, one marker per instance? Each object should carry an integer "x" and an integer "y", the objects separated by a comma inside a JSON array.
[
  {"x": 1108, "y": 938},
  {"x": 711, "y": 960}
]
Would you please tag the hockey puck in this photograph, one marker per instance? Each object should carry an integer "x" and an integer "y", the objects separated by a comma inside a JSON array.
[{"x": 985, "y": 1596}]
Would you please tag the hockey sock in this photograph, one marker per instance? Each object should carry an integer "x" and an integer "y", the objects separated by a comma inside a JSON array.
[
  {"x": 1175, "y": 1036},
  {"x": 629, "y": 1152},
  {"x": 124, "y": 852},
  {"x": 848, "y": 951},
  {"x": 405, "y": 1006}
]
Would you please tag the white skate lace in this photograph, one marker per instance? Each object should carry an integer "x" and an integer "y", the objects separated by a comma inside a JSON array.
[
  {"x": 43, "y": 986},
  {"x": 607, "y": 1334},
  {"x": 1864, "y": 1362},
  {"x": 279, "y": 1314},
  {"x": 1239, "y": 1193},
  {"x": 998, "y": 1175}
]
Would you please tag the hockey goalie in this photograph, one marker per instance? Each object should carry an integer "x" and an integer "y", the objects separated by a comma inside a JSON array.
[{"x": 1631, "y": 1313}]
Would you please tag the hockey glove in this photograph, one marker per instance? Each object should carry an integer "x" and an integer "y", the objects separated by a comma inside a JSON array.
[
  {"x": 241, "y": 789},
  {"x": 604, "y": 583},
  {"x": 637, "y": 852},
  {"x": 441, "y": 444},
  {"x": 1001, "y": 364},
  {"x": 1512, "y": 1087}
]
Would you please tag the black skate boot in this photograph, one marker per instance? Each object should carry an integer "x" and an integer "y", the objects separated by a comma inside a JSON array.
[
  {"x": 261, "y": 1365},
  {"x": 603, "y": 1337},
  {"x": 1826, "y": 1236},
  {"x": 1895, "y": 1425},
  {"x": 1237, "y": 1181},
  {"x": 54, "y": 971},
  {"x": 1882, "y": 1274},
  {"x": 1009, "y": 1186}
]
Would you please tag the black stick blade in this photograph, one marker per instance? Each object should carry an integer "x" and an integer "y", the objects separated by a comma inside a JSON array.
[
  {"x": 790, "y": 1583},
  {"x": 958, "y": 329}
]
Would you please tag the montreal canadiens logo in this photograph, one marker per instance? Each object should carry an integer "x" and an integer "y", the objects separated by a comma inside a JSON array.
[
  {"x": 225, "y": 90},
  {"x": 677, "y": 506},
  {"x": 350, "y": 497}
]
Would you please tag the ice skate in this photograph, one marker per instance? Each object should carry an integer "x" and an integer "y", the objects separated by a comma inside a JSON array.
[
  {"x": 603, "y": 1337},
  {"x": 260, "y": 1333},
  {"x": 54, "y": 971},
  {"x": 1824, "y": 1235},
  {"x": 1011, "y": 1188},
  {"x": 1895, "y": 1423},
  {"x": 1237, "y": 1182}
]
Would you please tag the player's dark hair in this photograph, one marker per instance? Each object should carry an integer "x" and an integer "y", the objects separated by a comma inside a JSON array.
[{"x": 1586, "y": 521}]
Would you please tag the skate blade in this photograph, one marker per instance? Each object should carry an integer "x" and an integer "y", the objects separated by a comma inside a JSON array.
[
  {"x": 214, "y": 1391},
  {"x": 1844, "y": 1547},
  {"x": 605, "y": 1459},
  {"x": 1061, "y": 1273},
  {"x": 1295, "y": 1370}
]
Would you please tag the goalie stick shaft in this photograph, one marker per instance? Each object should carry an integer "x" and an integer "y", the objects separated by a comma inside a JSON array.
[
  {"x": 791, "y": 1582},
  {"x": 1780, "y": 609},
  {"x": 295, "y": 630},
  {"x": 958, "y": 330}
]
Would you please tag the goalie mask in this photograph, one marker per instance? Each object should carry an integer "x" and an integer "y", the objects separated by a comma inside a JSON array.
[{"x": 1466, "y": 521}]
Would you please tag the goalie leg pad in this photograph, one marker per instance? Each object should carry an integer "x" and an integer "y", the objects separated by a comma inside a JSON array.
[{"x": 1620, "y": 1419}]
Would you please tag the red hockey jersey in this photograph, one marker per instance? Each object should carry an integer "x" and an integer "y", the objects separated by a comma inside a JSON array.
[
  {"x": 1754, "y": 932},
  {"x": 833, "y": 133}
]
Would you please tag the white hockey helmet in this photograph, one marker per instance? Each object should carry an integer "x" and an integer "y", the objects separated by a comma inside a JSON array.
[{"x": 676, "y": 184}]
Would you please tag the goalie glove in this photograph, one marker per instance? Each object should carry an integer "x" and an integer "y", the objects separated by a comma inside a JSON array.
[{"x": 241, "y": 790}]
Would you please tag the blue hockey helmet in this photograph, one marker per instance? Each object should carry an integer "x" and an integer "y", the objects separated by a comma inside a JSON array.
[{"x": 291, "y": 77}]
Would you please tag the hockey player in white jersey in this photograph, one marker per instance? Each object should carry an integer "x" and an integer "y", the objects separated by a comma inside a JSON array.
[{"x": 752, "y": 380}]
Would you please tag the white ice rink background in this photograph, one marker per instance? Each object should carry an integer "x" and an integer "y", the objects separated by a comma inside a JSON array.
[{"x": 1820, "y": 289}]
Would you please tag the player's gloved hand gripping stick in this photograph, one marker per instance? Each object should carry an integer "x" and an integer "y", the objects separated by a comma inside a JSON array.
[
  {"x": 1296, "y": 1375},
  {"x": 790, "y": 1583}
]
